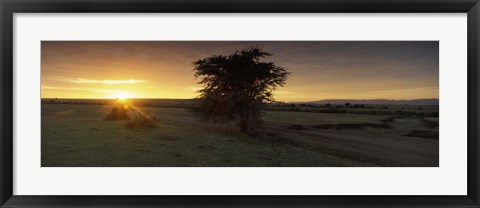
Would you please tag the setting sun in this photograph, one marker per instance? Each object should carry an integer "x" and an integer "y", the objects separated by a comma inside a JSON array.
[
  {"x": 197, "y": 103},
  {"x": 163, "y": 69},
  {"x": 121, "y": 96}
]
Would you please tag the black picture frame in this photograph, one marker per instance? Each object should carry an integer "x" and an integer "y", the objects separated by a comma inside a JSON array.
[{"x": 9, "y": 7}]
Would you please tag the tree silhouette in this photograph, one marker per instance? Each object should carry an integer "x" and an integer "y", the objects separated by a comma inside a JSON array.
[{"x": 236, "y": 87}]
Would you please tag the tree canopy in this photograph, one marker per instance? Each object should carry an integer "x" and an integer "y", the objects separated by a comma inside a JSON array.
[{"x": 235, "y": 87}]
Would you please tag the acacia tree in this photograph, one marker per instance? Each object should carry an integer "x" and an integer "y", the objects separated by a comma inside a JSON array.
[{"x": 235, "y": 87}]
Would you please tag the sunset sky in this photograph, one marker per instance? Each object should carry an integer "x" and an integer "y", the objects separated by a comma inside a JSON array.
[{"x": 164, "y": 69}]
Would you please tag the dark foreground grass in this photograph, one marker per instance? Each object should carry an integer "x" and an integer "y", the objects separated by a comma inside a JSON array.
[
  {"x": 142, "y": 121},
  {"x": 78, "y": 136}
]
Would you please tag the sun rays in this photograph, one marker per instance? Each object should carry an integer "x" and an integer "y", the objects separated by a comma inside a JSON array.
[
  {"x": 122, "y": 96},
  {"x": 123, "y": 109}
]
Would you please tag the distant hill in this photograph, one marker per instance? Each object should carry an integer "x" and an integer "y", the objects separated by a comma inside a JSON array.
[
  {"x": 180, "y": 102},
  {"x": 135, "y": 101},
  {"x": 378, "y": 102}
]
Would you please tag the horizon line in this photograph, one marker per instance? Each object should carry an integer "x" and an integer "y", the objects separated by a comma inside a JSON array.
[{"x": 314, "y": 100}]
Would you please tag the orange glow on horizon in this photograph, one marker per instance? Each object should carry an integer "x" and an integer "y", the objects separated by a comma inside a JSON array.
[{"x": 163, "y": 69}]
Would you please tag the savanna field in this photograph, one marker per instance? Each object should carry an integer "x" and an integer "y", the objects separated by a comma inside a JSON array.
[
  {"x": 240, "y": 103},
  {"x": 76, "y": 134}
]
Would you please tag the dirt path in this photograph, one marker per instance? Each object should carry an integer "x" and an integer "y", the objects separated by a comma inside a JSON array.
[{"x": 385, "y": 147}]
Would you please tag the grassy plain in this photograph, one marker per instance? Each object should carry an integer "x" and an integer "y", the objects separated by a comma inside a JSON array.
[{"x": 76, "y": 135}]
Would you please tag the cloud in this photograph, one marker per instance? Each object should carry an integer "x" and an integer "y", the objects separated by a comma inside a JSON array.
[
  {"x": 79, "y": 89},
  {"x": 282, "y": 92},
  {"x": 64, "y": 88},
  {"x": 107, "y": 81},
  {"x": 404, "y": 89}
]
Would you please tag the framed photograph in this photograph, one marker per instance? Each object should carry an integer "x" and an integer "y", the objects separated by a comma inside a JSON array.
[{"x": 266, "y": 103}]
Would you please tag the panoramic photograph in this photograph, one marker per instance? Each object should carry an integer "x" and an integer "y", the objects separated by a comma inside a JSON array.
[{"x": 240, "y": 104}]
